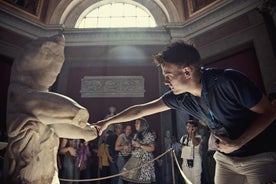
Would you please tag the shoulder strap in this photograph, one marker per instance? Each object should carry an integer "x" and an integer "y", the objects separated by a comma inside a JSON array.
[{"x": 183, "y": 139}]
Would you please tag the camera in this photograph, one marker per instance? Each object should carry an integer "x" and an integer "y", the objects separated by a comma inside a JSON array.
[{"x": 190, "y": 163}]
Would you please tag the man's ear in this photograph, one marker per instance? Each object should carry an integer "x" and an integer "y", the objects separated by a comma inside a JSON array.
[{"x": 187, "y": 71}]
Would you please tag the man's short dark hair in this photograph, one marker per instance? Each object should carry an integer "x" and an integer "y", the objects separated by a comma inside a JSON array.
[{"x": 179, "y": 53}]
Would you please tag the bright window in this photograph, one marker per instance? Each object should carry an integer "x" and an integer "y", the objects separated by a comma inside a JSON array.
[{"x": 117, "y": 15}]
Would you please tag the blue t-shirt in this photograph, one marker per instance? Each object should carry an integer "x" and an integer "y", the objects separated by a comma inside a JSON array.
[{"x": 226, "y": 98}]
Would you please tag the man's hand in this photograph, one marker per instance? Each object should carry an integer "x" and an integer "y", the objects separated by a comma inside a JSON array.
[
  {"x": 226, "y": 145},
  {"x": 101, "y": 126}
]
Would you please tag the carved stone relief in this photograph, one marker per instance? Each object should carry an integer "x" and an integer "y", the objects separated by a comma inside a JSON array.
[{"x": 112, "y": 86}]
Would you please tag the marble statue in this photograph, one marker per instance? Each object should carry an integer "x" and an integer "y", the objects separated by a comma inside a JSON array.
[{"x": 37, "y": 118}]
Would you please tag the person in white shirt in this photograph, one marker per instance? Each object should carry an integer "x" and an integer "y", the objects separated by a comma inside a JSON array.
[{"x": 190, "y": 154}]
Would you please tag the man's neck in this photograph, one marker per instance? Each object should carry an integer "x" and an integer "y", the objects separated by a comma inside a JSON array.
[{"x": 196, "y": 86}]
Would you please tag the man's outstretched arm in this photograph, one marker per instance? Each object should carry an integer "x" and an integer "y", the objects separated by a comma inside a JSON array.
[{"x": 133, "y": 112}]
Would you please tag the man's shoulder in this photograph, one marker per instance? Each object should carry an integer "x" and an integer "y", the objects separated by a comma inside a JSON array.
[
  {"x": 209, "y": 73},
  {"x": 224, "y": 77}
]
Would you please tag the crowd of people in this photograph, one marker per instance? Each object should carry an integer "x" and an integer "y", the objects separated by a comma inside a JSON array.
[
  {"x": 115, "y": 148},
  {"x": 115, "y": 151}
]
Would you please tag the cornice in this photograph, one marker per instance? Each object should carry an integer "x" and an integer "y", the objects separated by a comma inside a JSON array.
[
  {"x": 23, "y": 26},
  {"x": 219, "y": 14},
  {"x": 224, "y": 11},
  {"x": 30, "y": 28},
  {"x": 83, "y": 37},
  {"x": 123, "y": 36}
]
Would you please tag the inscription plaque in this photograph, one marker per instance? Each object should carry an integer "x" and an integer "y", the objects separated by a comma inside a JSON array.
[{"x": 112, "y": 86}]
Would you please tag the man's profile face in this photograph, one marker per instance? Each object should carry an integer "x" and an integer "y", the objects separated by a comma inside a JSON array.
[{"x": 174, "y": 78}]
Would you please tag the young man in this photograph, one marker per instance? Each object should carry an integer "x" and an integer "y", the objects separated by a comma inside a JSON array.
[{"x": 235, "y": 110}]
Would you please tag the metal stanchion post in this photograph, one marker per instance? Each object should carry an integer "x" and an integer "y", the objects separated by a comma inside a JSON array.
[{"x": 172, "y": 158}]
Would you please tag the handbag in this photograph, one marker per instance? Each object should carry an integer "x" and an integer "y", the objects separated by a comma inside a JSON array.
[{"x": 131, "y": 174}]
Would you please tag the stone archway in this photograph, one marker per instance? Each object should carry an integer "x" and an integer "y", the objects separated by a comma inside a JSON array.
[{"x": 67, "y": 13}]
